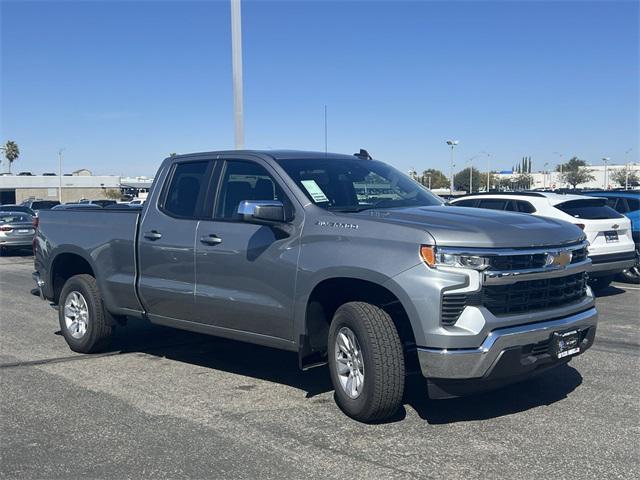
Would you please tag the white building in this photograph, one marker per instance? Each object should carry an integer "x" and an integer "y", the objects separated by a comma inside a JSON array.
[{"x": 551, "y": 179}]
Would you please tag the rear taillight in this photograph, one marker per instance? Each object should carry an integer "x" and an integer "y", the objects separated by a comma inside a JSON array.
[
  {"x": 579, "y": 225},
  {"x": 5, "y": 229}
]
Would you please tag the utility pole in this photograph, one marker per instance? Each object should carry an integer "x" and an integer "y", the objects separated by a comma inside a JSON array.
[
  {"x": 60, "y": 174},
  {"x": 429, "y": 175},
  {"x": 544, "y": 175},
  {"x": 236, "y": 60},
  {"x": 452, "y": 144},
  {"x": 606, "y": 183},
  {"x": 626, "y": 169}
]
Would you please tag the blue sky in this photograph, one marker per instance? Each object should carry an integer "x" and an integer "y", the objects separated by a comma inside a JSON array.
[{"x": 120, "y": 84}]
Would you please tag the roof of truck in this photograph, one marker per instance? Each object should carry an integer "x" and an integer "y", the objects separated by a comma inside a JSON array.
[{"x": 276, "y": 154}]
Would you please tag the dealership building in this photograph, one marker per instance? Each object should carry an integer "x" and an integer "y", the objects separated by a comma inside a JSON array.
[{"x": 71, "y": 188}]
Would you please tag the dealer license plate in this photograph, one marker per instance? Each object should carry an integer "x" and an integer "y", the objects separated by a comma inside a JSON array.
[
  {"x": 566, "y": 344},
  {"x": 611, "y": 236},
  {"x": 24, "y": 230}
]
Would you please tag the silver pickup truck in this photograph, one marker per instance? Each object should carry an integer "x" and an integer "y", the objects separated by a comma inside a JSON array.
[{"x": 340, "y": 258}]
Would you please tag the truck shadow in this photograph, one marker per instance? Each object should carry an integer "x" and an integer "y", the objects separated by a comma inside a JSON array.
[
  {"x": 282, "y": 367},
  {"x": 550, "y": 387}
]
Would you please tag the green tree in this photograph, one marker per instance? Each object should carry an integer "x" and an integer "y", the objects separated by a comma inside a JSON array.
[
  {"x": 173, "y": 154},
  {"x": 438, "y": 179},
  {"x": 461, "y": 180},
  {"x": 575, "y": 172},
  {"x": 113, "y": 194},
  {"x": 493, "y": 181},
  {"x": 11, "y": 152},
  {"x": 620, "y": 177},
  {"x": 523, "y": 181}
]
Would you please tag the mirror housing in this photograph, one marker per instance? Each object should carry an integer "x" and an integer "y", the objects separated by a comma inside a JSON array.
[{"x": 262, "y": 211}]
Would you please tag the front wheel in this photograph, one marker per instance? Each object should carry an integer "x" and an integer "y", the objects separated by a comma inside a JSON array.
[
  {"x": 366, "y": 362},
  {"x": 83, "y": 321}
]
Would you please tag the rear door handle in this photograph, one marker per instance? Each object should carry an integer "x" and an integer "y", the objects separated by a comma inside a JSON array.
[
  {"x": 152, "y": 235},
  {"x": 210, "y": 239}
]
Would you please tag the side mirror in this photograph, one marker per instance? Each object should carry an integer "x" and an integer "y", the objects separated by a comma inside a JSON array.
[{"x": 262, "y": 211}]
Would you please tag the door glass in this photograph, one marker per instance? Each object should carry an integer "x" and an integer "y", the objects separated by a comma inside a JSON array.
[
  {"x": 245, "y": 181},
  {"x": 493, "y": 204},
  {"x": 183, "y": 192}
]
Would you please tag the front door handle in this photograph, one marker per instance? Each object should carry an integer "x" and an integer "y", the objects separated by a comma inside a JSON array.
[
  {"x": 152, "y": 235},
  {"x": 210, "y": 239}
]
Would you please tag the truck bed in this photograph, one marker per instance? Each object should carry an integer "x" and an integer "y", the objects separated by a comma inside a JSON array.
[{"x": 105, "y": 238}]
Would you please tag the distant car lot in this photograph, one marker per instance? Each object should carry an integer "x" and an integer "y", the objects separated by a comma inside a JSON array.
[{"x": 167, "y": 403}]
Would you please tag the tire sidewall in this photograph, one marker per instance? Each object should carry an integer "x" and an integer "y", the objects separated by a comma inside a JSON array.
[
  {"x": 345, "y": 317},
  {"x": 77, "y": 284}
]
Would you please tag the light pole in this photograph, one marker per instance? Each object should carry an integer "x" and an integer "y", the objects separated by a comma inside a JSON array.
[
  {"x": 626, "y": 169},
  {"x": 452, "y": 144},
  {"x": 544, "y": 175},
  {"x": 560, "y": 165},
  {"x": 429, "y": 176},
  {"x": 236, "y": 62},
  {"x": 60, "y": 174},
  {"x": 605, "y": 160}
]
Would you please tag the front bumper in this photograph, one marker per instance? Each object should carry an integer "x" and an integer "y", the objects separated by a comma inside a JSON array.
[
  {"x": 478, "y": 363},
  {"x": 610, "y": 264}
]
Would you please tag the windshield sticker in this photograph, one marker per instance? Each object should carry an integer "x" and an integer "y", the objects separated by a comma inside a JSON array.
[{"x": 315, "y": 191}]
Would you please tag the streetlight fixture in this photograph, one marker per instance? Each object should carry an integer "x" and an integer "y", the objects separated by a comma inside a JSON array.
[
  {"x": 60, "y": 174},
  {"x": 452, "y": 144},
  {"x": 606, "y": 161}
]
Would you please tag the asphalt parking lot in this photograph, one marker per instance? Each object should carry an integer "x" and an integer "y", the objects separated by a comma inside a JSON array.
[{"x": 170, "y": 404}]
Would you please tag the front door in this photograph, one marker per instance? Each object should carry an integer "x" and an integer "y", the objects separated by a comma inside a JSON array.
[
  {"x": 166, "y": 242},
  {"x": 245, "y": 273}
]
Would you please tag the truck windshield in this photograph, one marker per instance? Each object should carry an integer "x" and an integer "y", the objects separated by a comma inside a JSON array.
[{"x": 356, "y": 185}]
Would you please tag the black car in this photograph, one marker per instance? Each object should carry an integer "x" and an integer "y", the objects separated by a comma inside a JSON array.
[{"x": 17, "y": 208}]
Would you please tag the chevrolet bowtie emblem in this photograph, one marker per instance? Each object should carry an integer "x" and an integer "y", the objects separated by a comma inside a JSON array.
[
  {"x": 558, "y": 259},
  {"x": 615, "y": 226}
]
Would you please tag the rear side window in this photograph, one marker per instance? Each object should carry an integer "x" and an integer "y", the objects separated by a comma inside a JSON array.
[
  {"x": 465, "y": 203},
  {"x": 589, "y": 209},
  {"x": 493, "y": 204},
  {"x": 634, "y": 204},
  {"x": 525, "y": 207},
  {"x": 187, "y": 183}
]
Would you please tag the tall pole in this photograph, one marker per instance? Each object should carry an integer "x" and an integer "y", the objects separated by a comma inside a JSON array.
[
  {"x": 544, "y": 175},
  {"x": 60, "y": 174},
  {"x": 626, "y": 169},
  {"x": 488, "y": 173},
  {"x": 236, "y": 59},
  {"x": 605, "y": 160},
  {"x": 452, "y": 144}
]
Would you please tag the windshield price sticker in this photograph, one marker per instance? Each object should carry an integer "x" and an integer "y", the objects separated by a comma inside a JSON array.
[{"x": 315, "y": 191}]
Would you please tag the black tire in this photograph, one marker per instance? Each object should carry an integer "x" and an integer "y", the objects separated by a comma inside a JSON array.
[
  {"x": 383, "y": 358},
  {"x": 97, "y": 336},
  {"x": 631, "y": 275},
  {"x": 598, "y": 284}
]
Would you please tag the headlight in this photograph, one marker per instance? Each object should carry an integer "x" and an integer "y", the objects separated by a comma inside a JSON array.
[{"x": 433, "y": 258}]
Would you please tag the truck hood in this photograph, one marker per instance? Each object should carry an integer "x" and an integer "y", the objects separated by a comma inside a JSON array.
[{"x": 476, "y": 227}]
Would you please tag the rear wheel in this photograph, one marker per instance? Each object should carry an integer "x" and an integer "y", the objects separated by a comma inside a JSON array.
[
  {"x": 83, "y": 321},
  {"x": 631, "y": 275},
  {"x": 366, "y": 362}
]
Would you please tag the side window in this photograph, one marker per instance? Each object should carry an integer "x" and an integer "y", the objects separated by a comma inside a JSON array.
[
  {"x": 525, "y": 207},
  {"x": 245, "y": 181},
  {"x": 187, "y": 182},
  {"x": 465, "y": 203},
  {"x": 634, "y": 204},
  {"x": 511, "y": 206},
  {"x": 493, "y": 204}
]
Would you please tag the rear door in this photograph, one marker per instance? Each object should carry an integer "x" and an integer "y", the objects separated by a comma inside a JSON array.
[
  {"x": 245, "y": 278},
  {"x": 167, "y": 238}
]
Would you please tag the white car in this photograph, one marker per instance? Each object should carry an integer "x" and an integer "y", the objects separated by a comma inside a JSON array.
[{"x": 611, "y": 246}]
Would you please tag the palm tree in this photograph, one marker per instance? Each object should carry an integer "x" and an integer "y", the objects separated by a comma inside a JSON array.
[{"x": 11, "y": 152}]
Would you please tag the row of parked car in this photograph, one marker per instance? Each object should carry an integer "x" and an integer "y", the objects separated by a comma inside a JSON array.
[
  {"x": 18, "y": 222},
  {"x": 610, "y": 220}
]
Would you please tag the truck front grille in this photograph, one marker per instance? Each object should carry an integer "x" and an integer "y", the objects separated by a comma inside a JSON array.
[
  {"x": 529, "y": 261},
  {"x": 519, "y": 297},
  {"x": 534, "y": 295}
]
